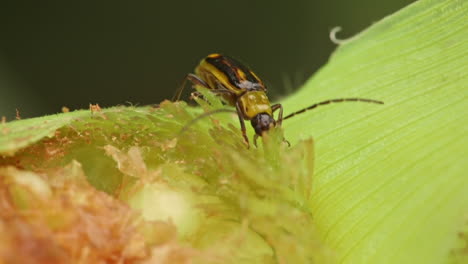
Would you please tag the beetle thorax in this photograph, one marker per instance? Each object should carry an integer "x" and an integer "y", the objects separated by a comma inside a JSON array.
[{"x": 254, "y": 103}]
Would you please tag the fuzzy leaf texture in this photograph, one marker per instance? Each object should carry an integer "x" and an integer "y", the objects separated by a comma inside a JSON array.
[{"x": 376, "y": 184}]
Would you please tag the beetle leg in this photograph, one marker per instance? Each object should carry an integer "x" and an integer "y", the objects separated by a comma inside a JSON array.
[
  {"x": 221, "y": 92},
  {"x": 255, "y": 140},
  {"x": 280, "y": 118},
  {"x": 242, "y": 124},
  {"x": 197, "y": 94},
  {"x": 280, "y": 115},
  {"x": 192, "y": 78}
]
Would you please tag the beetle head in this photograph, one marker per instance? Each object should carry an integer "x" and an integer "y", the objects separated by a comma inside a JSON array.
[{"x": 262, "y": 122}]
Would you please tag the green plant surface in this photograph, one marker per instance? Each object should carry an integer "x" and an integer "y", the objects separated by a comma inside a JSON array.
[
  {"x": 18, "y": 135},
  {"x": 391, "y": 182},
  {"x": 362, "y": 183},
  {"x": 201, "y": 181}
]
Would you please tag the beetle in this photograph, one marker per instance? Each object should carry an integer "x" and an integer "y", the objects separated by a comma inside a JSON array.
[{"x": 240, "y": 87}]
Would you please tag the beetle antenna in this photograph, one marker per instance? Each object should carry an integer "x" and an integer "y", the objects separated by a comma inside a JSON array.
[
  {"x": 339, "y": 100},
  {"x": 206, "y": 114}
]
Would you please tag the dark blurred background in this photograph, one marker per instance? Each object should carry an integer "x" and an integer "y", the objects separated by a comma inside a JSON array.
[{"x": 72, "y": 53}]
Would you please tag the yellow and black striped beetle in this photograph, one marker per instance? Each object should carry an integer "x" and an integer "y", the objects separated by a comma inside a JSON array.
[{"x": 243, "y": 89}]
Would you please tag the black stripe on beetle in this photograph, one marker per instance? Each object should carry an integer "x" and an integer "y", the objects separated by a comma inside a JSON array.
[{"x": 230, "y": 67}]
